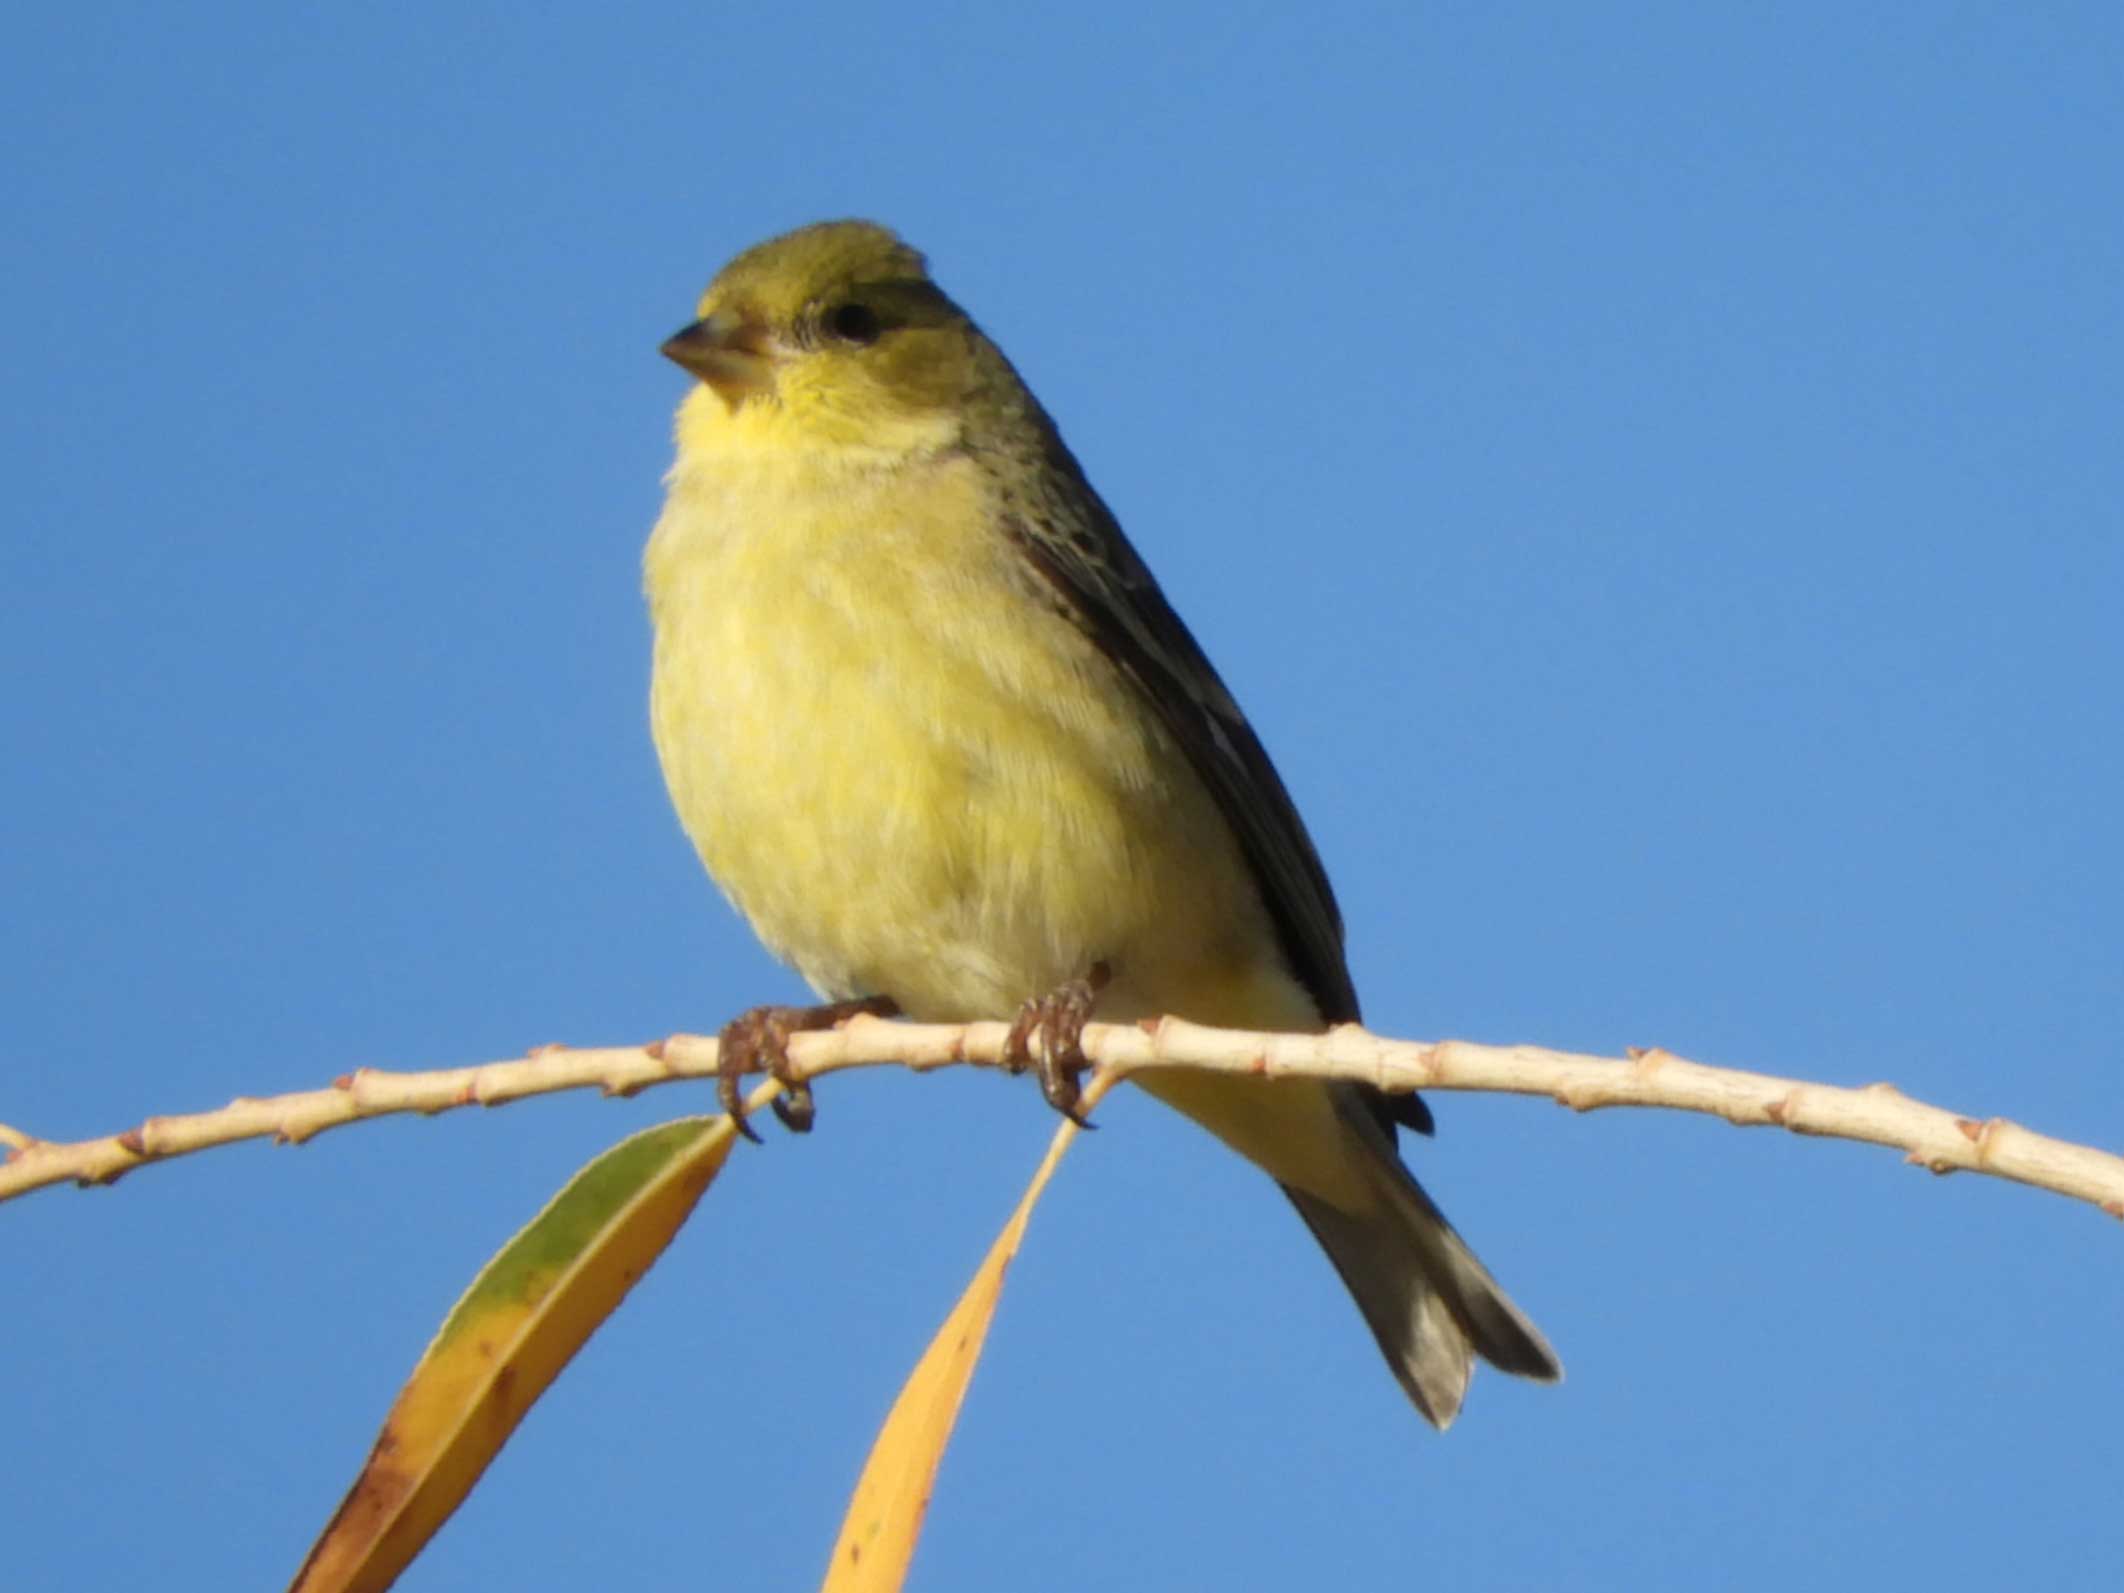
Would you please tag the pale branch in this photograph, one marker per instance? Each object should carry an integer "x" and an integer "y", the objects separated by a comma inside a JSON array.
[{"x": 1878, "y": 1114}]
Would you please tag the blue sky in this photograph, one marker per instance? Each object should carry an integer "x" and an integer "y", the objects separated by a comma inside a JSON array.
[{"x": 1653, "y": 476}]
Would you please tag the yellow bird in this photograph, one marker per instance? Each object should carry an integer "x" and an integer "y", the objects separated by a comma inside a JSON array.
[{"x": 938, "y": 735}]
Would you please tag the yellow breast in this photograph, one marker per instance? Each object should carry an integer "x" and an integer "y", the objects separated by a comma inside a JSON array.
[{"x": 911, "y": 774}]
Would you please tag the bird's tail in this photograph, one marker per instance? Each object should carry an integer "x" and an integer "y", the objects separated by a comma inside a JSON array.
[{"x": 1431, "y": 1305}]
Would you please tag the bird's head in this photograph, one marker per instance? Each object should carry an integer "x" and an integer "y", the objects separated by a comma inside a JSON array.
[{"x": 833, "y": 335}]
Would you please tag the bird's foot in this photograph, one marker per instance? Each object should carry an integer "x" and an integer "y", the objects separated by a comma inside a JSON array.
[
  {"x": 1048, "y": 1038},
  {"x": 757, "y": 1041}
]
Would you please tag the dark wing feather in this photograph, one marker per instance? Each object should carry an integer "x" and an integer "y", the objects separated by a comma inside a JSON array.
[
  {"x": 1098, "y": 581},
  {"x": 1101, "y": 584}
]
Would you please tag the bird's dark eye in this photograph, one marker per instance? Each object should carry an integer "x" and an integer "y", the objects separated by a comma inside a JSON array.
[{"x": 854, "y": 323}]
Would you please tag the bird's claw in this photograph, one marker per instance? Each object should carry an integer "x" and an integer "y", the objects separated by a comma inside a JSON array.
[
  {"x": 757, "y": 1041},
  {"x": 1047, "y": 1037}
]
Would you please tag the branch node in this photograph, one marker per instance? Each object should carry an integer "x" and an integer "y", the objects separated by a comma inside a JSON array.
[
  {"x": 1427, "y": 1066},
  {"x": 1987, "y": 1138},
  {"x": 674, "y": 1050},
  {"x": 1161, "y": 1031}
]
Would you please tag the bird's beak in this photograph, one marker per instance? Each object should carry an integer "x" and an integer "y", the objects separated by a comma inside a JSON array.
[{"x": 728, "y": 352}]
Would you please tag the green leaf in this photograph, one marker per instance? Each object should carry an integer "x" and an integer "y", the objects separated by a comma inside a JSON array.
[{"x": 527, "y": 1313}]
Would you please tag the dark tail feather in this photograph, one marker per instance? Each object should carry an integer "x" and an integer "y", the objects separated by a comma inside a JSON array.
[{"x": 1431, "y": 1305}]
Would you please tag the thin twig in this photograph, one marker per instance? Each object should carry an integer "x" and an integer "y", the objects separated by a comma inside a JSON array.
[{"x": 1878, "y": 1114}]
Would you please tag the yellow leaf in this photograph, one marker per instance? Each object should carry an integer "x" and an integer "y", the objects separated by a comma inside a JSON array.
[
  {"x": 884, "y": 1520},
  {"x": 531, "y": 1308}
]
